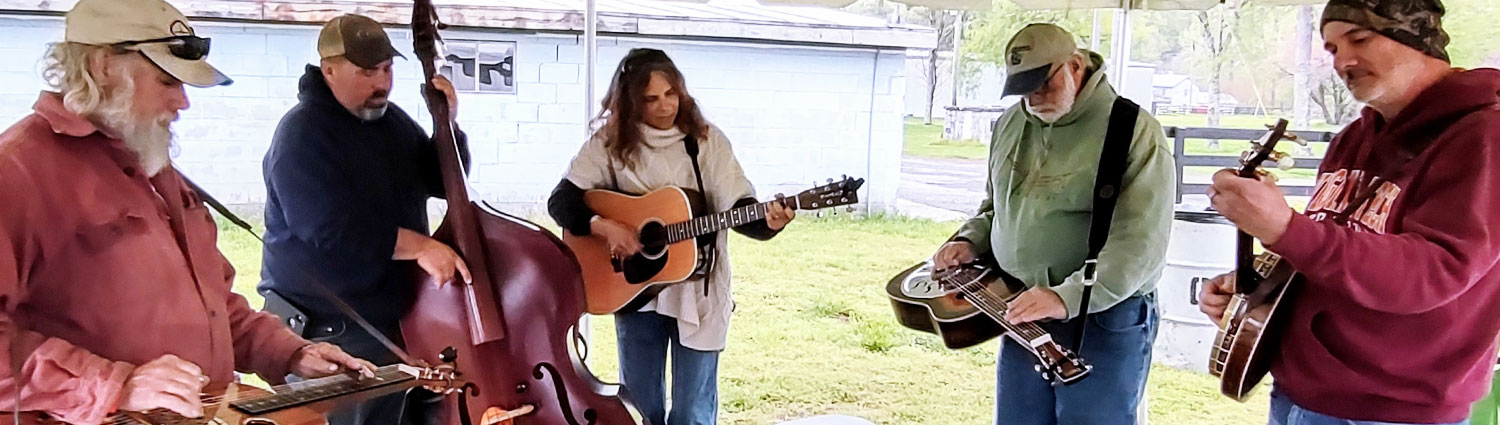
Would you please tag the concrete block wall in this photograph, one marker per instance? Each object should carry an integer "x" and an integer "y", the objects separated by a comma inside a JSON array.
[{"x": 794, "y": 114}]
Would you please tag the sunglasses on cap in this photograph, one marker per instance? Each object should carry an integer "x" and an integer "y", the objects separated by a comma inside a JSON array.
[{"x": 186, "y": 47}]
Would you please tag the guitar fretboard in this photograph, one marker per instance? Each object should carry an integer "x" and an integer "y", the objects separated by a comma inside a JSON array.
[
  {"x": 711, "y": 223},
  {"x": 970, "y": 282},
  {"x": 322, "y": 389}
]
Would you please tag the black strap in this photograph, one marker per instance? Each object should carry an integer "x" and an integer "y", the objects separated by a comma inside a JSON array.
[
  {"x": 1112, "y": 163},
  {"x": 322, "y": 289},
  {"x": 691, "y": 145}
]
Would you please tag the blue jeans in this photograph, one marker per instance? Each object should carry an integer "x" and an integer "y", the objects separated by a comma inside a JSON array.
[
  {"x": 644, "y": 339},
  {"x": 1117, "y": 343},
  {"x": 1284, "y": 412}
]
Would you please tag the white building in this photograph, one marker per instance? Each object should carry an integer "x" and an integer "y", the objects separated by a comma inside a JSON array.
[{"x": 804, "y": 93}]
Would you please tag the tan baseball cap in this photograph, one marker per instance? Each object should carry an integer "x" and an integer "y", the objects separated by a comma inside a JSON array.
[
  {"x": 359, "y": 39},
  {"x": 153, "y": 27},
  {"x": 1032, "y": 54}
]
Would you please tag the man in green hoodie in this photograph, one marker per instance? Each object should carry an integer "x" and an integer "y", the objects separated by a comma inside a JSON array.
[{"x": 1044, "y": 158}]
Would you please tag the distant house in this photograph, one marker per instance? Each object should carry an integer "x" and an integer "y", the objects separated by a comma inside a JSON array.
[{"x": 1177, "y": 93}]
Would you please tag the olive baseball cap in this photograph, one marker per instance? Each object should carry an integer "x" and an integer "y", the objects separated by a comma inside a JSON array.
[
  {"x": 1032, "y": 54},
  {"x": 359, "y": 39}
]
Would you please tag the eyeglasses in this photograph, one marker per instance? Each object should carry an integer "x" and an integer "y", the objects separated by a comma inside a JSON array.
[
  {"x": 1047, "y": 83},
  {"x": 186, "y": 47}
]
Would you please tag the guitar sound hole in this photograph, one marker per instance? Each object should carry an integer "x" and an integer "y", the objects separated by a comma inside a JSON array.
[
  {"x": 653, "y": 240},
  {"x": 259, "y": 421}
]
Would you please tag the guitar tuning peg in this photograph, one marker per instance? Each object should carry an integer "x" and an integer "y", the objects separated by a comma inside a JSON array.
[
  {"x": 849, "y": 209},
  {"x": 830, "y": 181},
  {"x": 1285, "y": 162}
]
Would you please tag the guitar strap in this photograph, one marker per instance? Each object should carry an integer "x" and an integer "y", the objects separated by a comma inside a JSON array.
[
  {"x": 690, "y": 144},
  {"x": 1112, "y": 164}
]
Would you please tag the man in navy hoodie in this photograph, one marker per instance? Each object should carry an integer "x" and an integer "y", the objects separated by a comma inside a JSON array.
[
  {"x": 347, "y": 178},
  {"x": 1397, "y": 318}
]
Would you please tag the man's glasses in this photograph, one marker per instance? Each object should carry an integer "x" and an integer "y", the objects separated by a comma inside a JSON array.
[
  {"x": 186, "y": 47},
  {"x": 1047, "y": 83}
]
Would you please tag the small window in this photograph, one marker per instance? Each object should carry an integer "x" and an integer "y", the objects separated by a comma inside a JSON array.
[{"x": 484, "y": 66}]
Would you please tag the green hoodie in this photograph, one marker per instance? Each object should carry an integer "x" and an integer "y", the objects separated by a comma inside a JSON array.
[{"x": 1035, "y": 217}]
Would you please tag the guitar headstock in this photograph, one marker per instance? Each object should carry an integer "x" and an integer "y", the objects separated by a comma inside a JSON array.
[
  {"x": 833, "y": 194},
  {"x": 1062, "y": 364},
  {"x": 1265, "y": 149}
]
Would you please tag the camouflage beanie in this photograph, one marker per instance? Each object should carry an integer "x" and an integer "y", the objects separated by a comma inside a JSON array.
[{"x": 1415, "y": 23}]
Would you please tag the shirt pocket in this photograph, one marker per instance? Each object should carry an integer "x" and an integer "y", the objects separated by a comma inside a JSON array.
[{"x": 102, "y": 232}]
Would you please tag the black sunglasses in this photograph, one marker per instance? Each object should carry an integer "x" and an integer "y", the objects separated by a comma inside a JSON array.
[{"x": 186, "y": 47}]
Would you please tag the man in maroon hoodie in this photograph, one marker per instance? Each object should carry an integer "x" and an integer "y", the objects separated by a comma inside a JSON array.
[{"x": 1397, "y": 320}]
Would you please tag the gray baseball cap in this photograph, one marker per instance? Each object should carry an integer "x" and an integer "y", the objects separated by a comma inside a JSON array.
[
  {"x": 359, "y": 39},
  {"x": 1032, "y": 54}
]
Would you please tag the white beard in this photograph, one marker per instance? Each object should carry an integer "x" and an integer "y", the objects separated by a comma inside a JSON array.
[
  {"x": 1064, "y": 105},
  {"x": 150, "y": 138}
]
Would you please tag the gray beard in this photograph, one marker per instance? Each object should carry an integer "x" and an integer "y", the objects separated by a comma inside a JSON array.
[{"x": 371, "y": 114}]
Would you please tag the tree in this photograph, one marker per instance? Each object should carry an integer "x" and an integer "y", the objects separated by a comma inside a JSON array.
[
  {"x": 1217, "y": 27},
  {"x": 1330, "y": 94},
  {"x": 986, "y": 36},
  {"x": 942, "y": 21},
  {"x": 1301, "y": 114}
]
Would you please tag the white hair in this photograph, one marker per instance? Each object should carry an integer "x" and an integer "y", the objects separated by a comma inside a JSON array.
[{"x": 107, "y": 102}]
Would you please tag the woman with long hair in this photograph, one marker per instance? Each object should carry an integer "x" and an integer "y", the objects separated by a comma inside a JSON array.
[{"x": 641, "y": 144}]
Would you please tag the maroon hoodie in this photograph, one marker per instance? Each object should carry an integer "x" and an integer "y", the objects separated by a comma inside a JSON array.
[{"x": 1400, "y": 313}]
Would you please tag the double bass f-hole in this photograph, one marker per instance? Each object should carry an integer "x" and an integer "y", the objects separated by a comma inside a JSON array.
[{"x": 562, "y": 395}]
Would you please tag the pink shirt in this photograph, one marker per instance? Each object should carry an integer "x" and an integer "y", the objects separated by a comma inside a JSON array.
[{"x": 103, "y": 268}]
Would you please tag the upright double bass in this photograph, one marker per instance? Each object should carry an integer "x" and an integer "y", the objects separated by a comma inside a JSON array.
[{"x": 511, "y": 330}]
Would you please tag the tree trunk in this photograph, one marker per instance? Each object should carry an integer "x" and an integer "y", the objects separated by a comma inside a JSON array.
[
  {"x": 932, "y": 83},
  {"x": 1213, "y": 95},
  {"x": 1301, "y": 113}
]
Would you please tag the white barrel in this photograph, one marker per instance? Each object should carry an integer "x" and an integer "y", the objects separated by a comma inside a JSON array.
[{"x": 1202, "y": 246}]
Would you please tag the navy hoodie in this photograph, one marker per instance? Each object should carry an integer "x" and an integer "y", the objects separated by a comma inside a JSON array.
[{"x": 337, "y": 190}]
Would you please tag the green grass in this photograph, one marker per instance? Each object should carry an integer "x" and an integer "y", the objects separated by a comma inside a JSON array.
[
  {"x": 813, "y": 334},
  {"x": 927, "y": 141}
]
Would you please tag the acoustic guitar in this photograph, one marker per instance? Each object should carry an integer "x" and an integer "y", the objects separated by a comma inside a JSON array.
[
  {"x": 1250, "y": 330},
  {"x": 967, "y": 305},
  {"x": 669, "y": 221},
  {"x": 300, "y": 403}
]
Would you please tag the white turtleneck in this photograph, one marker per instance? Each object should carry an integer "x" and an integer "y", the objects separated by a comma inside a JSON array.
[{"x": 702, "y": 321}]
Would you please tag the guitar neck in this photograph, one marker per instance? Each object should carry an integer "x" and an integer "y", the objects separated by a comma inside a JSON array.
[
  {"x": 1245, "y": 276},
  {"x": 732, "y": 218},
  {"x": 969, "y": 283}
]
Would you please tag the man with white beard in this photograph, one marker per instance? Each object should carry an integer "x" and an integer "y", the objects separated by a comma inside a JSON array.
[
  {"x": 1035, "y": 223},
  {"x": 113, "y": 293}
]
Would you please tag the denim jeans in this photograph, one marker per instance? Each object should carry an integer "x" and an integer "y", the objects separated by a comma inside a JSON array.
[
  {"x": 1284, "y": 412},
  {"x": 1117, "y": 343},
  {"x": 645, "y": 338}
]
